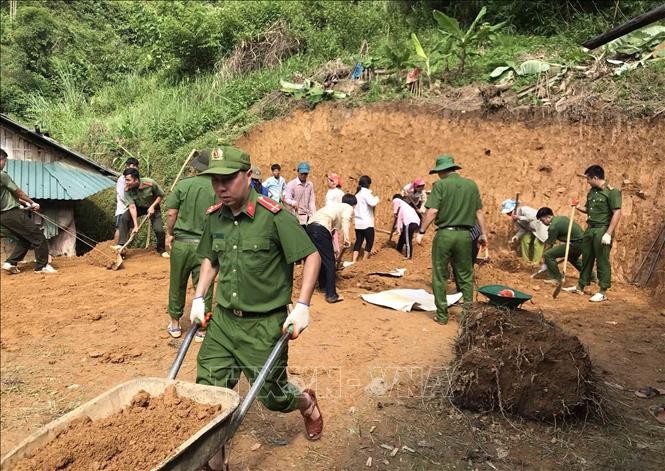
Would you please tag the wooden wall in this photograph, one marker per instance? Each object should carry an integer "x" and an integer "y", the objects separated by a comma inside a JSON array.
[{"x": 19, "y": 147}]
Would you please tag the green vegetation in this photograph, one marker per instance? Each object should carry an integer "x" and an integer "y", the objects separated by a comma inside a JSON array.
[{"x": 157, "y": 78}]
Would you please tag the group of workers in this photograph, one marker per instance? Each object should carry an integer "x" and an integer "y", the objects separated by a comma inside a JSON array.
[
  {"x": 222, "y": 225},
  {"x": 539, "y": 230}
]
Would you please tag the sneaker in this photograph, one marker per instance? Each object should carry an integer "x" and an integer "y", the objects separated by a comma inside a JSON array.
[
  {"x": 174, "y": 332},
  {"x": 200, "y": 336},
  {"x": 47, "y": 269},
  {"x": 573, "y": 289},
  {"x": 116, "y": 247},
  {"x": 598, "y": 298},
  {"x": 165, "y": 255},
  {"x": 333, "y": 300},
  {"x": 13, "y": 269}
]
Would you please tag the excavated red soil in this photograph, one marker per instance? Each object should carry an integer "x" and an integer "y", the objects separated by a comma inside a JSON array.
[
  {"x": 518, "y": 362},
  {"x": 136, "y": 438},
  {"x": 102, "y": 255}
]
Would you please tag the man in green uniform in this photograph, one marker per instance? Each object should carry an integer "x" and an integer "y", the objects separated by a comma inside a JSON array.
[
  {"x": 187, "y": 205},
  {"x": 19, "y": 226},
  {"x": 454, "y": 205},
  {"x": 603, "y": 210},
  {"x": 557, "y": 229},
  {"x": 252, "y": 243},
  {"x": 142, "y": 195}
]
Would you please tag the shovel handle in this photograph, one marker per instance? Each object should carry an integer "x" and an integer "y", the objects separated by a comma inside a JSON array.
[{"x": 131, "y": 237}]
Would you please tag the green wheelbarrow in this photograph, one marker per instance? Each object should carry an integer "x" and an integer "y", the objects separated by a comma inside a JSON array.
[{"x": 504, "y": 296}]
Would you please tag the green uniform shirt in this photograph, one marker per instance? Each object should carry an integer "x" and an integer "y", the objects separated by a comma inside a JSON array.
[
  {"x": 255, "y": 252},
  {"x": 599, "y": 205},
  {"x": 191, "y": 197},
  {"x": 8, "y": 199},
  {"x": 457, "y": 200},
  {"x": 146, "y": 193},
  {"x": 558, "y": 230}
]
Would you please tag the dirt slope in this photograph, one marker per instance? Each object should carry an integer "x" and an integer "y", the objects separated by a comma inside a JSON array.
[{"x": 538, "y": 157}]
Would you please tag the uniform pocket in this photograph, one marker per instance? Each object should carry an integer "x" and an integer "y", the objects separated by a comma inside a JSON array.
[{"x": 256, "y": 254}]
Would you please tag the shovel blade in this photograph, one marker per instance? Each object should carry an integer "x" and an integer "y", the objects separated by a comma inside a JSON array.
[
  {"x": 557, "y": 290},
  {"x": 117, "y": 263}
]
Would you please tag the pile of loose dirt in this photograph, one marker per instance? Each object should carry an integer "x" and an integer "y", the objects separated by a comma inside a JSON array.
[
  {"x": 138, "y": 437},
  {"x": 102, "y": 255},
  {"x": 516, "y": 361}
]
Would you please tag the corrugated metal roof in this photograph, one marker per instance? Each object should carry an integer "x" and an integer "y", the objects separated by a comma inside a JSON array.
[
  {"x": 45, "y": 140},
  {"x": 56, "y": 181}
]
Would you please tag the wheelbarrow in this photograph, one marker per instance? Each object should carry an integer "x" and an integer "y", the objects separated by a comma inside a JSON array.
[{"x": 193, "y": 453}]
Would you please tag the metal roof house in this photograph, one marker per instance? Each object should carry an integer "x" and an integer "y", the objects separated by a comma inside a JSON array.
[{"x": 54, "y": 175}]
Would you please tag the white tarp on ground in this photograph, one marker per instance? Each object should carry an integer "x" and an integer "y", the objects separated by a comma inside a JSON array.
[{"x": 407, "y": 299}]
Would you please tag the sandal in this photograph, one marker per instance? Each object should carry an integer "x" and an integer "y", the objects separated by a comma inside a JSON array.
[
  {"x": 314, "y": 428},
  {"x": 658, "y": 413},
  {"x": 648, "y": 392},
  {"x": 174, "y": 332}
]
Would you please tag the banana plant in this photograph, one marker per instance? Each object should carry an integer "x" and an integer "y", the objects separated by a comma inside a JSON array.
[
  {"x": 420, "y": 52},
  {"x": 462, "y": 43}
]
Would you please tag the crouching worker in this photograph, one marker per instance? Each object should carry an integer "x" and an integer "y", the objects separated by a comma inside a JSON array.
[
  {"x": 142, "y": 196},
  {"x": 252, "y": 243},
  {"x": 557, "y": 229},
  {"x": 334, "y": 217}
]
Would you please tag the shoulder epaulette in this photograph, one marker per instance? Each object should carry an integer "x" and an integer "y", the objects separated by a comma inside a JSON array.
[
  {"x": 214, "y": 207},
  {"x": 271, "y": 205}
]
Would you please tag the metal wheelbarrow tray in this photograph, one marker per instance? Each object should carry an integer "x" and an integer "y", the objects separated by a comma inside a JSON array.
[{"x": 188, "y": 456}]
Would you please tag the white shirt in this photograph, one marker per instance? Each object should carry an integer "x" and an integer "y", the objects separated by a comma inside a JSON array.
[
  {"x": 334, "y": 196},
  {"x": 275, "y": 187},
  {"x": 365, "y": 208},
  {"x": 120, "y": 206},
  {"x": 335, "y": 217},
  {"x": 527, "y": 222}
]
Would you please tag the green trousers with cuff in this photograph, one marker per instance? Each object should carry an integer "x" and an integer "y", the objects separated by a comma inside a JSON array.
[
  {"x": 184, "y": 263},
  {"x": 559, "y": 251},
  {"x": 538, "y": 247},
  {"x": 242, "y": 344},
  {"x": 451, "y": 246},
  {"x": 594, "y": 251}
]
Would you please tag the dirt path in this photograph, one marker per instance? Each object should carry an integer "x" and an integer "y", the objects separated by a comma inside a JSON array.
[{"x": 67, "y": 338}]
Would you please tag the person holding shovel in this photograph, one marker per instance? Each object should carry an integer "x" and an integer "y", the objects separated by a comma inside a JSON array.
[
  {"x": 143, "y": 196},
  {"x": 603, "y": 210},
  {"x": 557, "y": 229},
  {"x": 332, "y": 218},
  {"x": 252, "y": 243},
  {"x": 407, "y": 223},
  {"x": 20, "y": 226},
  {"x": 187, "y": 205},
  {"x": 531, "y": 233},
  {"x": 454, "y": 205}
]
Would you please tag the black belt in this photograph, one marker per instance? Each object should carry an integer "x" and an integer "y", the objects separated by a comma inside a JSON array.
[
  {"x": 241, "y": 313},
  {"x": 456, "y": 228}
]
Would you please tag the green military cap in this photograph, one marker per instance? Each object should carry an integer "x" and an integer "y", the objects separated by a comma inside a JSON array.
[
  {"x": 227, "y": 160},
  {"x": 443, "y": 163}
]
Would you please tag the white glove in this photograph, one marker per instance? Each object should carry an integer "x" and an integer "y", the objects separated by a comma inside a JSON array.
[
  {"x": 606, "y": 240},
  {"x": 35, "y": 206},
  {"x": 419, "y": 239},
  {"x": 514, "y": 239},
  {"x": 543, "y": 268},
  {"x": 198, "y": 312},
  {"x": 299, "y": 318}
]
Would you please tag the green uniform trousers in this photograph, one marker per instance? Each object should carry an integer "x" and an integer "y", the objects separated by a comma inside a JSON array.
[
  {"x": 184, "y": 262},
  {"x": 538, "y": 247},
  {"x": 451, "y": 246},
  {"x": 594, "y": 251},
  {"x": 559, "y": 251},
  {"x": 243, "y": 344}
]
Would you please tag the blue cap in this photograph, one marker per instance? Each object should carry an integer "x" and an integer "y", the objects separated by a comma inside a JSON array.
[
  {"x": 508, "y": 206},
  {"x": 303, "y": 167}
]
